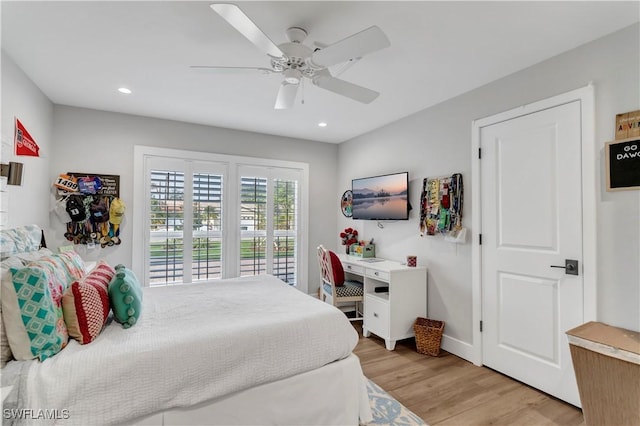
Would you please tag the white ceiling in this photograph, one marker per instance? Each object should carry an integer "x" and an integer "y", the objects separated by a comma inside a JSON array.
[{"x": 79, "y": 52}]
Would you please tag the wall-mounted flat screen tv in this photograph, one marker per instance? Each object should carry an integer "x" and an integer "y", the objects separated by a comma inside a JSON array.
[{"x": 381, "y": 197}]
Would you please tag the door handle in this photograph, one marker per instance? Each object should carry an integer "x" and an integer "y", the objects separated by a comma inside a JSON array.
[{"x": 570, "y": 267}]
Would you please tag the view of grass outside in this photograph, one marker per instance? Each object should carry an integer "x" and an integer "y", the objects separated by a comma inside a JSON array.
[
  {"x": 248, "y": 249},
  {"x": 166, "y": 247}
]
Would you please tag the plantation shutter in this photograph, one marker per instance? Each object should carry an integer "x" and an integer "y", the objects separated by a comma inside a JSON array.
[
  {"x": 269, "y": 231},
  {"x": 204, "y": 216},
  {"x": 185, "y": 221}
]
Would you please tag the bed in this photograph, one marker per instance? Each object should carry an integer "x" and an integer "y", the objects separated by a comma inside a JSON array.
[{"x": 240, "y": 351}]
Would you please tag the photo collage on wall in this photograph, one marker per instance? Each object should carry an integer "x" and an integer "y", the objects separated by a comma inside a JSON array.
[
  {"x": 441, "y": 205},
  {"x": 91, "y": 207}
]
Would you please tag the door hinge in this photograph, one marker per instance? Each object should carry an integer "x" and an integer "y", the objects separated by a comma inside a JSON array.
[
  {"x": 480, "y": 238},
  {"x": 479, "y": 152},
  {"x": 480, "y": 326}
]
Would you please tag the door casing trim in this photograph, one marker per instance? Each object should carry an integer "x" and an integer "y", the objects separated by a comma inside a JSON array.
[{"x": 589, "y": 193}]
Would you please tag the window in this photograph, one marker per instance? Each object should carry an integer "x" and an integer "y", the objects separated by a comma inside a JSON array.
[
  {"x": 184, "y": 213},
  {"x": 268, "y": 224},
  {"x": 166, "y": 219},
  {"x": 207, "y": 226},
  {"x": 285, "y": 216},
  {"x": 253, "y": 226},
  {"x": 210, "y": 216}
]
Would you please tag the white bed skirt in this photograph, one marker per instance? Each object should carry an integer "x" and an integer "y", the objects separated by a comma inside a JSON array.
[{"x": 335, "y": 394}]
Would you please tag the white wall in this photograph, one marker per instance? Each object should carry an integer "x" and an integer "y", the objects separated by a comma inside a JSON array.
[
  {"x": 102, "y": 142},
  {"x": 437, "y": 141},
  {"x": 29, "y": 202}
]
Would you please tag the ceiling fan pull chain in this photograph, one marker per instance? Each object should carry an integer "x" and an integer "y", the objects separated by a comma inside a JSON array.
[{"x": 302, "y": 92}]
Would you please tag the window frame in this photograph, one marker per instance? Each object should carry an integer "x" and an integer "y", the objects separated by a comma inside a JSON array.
[
  {"x": 271, "y": 174},
  {"x": 233, "y": 167}
]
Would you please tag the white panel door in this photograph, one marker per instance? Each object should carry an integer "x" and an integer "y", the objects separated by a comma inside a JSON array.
[{"x": 531, "y": 220}]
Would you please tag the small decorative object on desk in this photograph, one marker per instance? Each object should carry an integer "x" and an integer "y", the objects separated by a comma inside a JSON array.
[
  {"x": 363, "y": 249},
  {"x": 412, "y": 261},
  {"x": 349, "y": 236},
  {"x": 428, "y": 335}
]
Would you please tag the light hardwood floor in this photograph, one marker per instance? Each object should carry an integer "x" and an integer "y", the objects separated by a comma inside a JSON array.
[{"x": 448, "y": 390}]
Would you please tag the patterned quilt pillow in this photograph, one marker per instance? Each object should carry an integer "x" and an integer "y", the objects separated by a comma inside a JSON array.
[
  {"x": 85, "y": 304},
  {"x": 19, "y": 240},
  {"x": 58, "y": 276},
  {"x": 73, "y": 263},
  {"x": 125, "y": 295},
  {"x": 31, "y": 256},
  {"x": 34, "y": 324},
  {"x": 68, "y": 267}
]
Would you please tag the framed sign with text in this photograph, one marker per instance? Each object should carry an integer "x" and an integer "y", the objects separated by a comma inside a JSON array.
[{"x": 622, "y": 162}]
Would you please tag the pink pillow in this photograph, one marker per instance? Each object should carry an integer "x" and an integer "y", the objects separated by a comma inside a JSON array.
[
  {"x": 338, "y": 271},
  {"x": 85, "y": 304}
]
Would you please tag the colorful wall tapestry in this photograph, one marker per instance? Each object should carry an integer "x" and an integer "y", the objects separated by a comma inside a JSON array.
[{"x": 441, "y": 205}]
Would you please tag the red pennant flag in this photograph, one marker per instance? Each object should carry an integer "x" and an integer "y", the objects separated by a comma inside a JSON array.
[{"x": 25, "y": 145}]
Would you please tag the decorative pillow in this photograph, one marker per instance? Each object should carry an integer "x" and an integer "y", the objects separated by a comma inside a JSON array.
[
  {"x": 5, "y": 350},
  {"x": 74, "y": 264},
  {"x": 5, "y": 271},
  {"x": 125, "y": 295},
  {"x": 31, "y": 256},
  {"x": 35, "y": 327},
  {"x": 69, "y": 266},
  {"x": 20, "y": 240},
  {"x": 85, "y": 304},
  {"x": 58, "y": 276},
  {"x": 338, "y": 271}
]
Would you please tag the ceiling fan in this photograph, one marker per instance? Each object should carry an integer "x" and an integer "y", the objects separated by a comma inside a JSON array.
[{"x": 296, "y": 61}]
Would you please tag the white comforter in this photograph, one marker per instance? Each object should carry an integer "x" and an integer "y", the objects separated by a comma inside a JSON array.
[{"x": 192, "y": 343}]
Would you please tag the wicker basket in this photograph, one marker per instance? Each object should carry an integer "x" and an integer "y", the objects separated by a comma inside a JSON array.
[{"x": 428, "y": 335}]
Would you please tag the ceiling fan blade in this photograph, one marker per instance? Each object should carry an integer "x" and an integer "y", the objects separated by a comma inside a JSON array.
[
  {"x": 344, "y": 88},
  {"x": 340, "y": 68},
  {"x": 223, "y": 70},
  {"x": 245, "y": 26},
  {"x": 355, "y": 46},
  {"x": 286, "y": 95}
]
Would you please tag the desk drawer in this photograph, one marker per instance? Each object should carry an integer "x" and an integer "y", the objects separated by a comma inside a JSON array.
[
  {"x": 354, "y": 269},
  {"x": 376, "y": 316},
  {"x": 379, "y": 275}
]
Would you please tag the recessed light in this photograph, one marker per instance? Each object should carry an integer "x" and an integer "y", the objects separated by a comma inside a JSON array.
[
  {"x": 322, "y": 124},
  {"x": 124, "y": 90}
]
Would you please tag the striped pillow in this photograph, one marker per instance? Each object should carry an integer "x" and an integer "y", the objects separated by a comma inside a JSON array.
[{"x": 85, "y": 304}]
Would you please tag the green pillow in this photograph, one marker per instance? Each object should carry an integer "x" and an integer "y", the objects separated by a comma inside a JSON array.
[
  {"x": 125, "y": 295},
  {"x": 33, "y": 319}
]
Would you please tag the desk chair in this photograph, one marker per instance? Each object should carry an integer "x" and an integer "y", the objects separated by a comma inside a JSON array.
[{"x": 335, "y": 289}]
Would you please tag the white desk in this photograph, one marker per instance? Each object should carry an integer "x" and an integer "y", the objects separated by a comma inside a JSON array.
[{"x": 391, "y": 314}]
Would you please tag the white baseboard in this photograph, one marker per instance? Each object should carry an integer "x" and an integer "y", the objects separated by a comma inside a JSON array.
[{"x": 457, "y": 347}]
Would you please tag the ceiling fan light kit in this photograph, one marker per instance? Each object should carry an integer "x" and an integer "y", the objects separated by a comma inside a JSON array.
[
  {"x": 292, "y": 76},
  {"x": 296, "y": 61}
]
